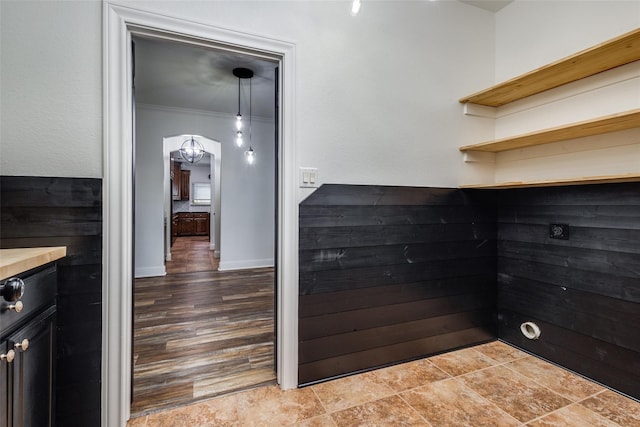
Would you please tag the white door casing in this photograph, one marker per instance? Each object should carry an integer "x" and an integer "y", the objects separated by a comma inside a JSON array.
[{"x": 120, "y": 23}]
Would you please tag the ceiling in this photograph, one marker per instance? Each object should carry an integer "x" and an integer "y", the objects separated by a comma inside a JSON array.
[
  {"x": 200, "y": 78},
  {"x": 490, "y": 5}
]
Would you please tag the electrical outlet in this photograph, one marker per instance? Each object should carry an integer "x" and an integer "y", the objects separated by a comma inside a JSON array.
[{"x": 559, "y": 231}]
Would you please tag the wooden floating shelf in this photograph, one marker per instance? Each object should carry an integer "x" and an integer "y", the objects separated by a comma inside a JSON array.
[
  {"x": 605, "y": 179},
  {"x": 605, "y": 124},
  {"x": 605, "y": 56}
]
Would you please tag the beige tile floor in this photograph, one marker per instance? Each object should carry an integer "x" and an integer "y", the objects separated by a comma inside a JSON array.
[{"x": 488, "y": 385}]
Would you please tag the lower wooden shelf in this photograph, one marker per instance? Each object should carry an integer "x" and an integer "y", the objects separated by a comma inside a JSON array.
[
  {"x": 612, "y": 123},
  {"x": 603, "y": 179}
]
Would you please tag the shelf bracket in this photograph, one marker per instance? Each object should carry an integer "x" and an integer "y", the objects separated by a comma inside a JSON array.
[
  {"x": 477, "y": 110},
  {"x": 479, "y": 157}
]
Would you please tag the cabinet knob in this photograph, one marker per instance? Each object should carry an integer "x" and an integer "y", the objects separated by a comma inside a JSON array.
[
  {"x": 9, "y": 356},
  {"x": 24, "y": 345},
  {"x": 17, "y": 307},
  {"x": 12, "y": 289}
]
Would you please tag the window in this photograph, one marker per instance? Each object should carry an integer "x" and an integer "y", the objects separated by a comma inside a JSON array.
[{"x": 201, "y": 193}]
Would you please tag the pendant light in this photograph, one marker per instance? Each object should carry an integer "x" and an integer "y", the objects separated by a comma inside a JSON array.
[
  {"x": 355, "y": 7},
  {"x": 241, "y": 73},
  {"x": 192, "y": 151},
  {"x": 250, "y": 155}
]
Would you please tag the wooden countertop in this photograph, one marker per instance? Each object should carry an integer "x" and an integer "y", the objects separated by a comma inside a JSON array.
[{"x": 16, "y": 261}]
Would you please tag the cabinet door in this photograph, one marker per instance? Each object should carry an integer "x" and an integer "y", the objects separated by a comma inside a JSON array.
[
  {"x": 175, "y": 183},
  {"x": 174, "y": 228},
  {"x": 201, "y": 224},
  {"x": 185, "y": 183},
  {"x": 33, "y": 372},
  {"x": 186, "y": 226},
  {"x": 4, "y": 386},
  {"x": 189, "y": 227}
]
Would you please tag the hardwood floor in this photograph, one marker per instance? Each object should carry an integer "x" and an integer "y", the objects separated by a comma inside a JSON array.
[
  {"x": 190, "y": 254},
  {"x": 201, "y": 334}
]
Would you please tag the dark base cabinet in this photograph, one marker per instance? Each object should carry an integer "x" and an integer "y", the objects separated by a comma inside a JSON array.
[
  {"x": 27, "y": 346},
  {"x": 4, "y": 385},
  {"x": 33, "y": 374}
]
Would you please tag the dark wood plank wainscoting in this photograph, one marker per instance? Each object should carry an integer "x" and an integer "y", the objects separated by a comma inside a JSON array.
[
  {"x": 389, "y": 274},
  {"x": 38, "y": 211},
  {"x": 584, "y": 292}
]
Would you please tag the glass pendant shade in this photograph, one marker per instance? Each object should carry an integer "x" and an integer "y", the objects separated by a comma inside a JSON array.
[
  {"x": 239, "y": 140},
  {"x": 238, "y": 121},
  {"x": 250, "y": 155},
  {"x": 192, "y": 151}
]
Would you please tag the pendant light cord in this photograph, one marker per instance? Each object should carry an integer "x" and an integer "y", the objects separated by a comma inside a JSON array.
[
  {"x": 250, "y": 98},
  {"x": 238, "y": 95}
]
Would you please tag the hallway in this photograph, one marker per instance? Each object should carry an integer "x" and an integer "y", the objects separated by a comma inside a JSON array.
[{"x": 201, "y": 334}]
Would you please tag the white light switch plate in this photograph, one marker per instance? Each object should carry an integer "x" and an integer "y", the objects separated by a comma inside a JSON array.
[{"x": 308, "y": 177}]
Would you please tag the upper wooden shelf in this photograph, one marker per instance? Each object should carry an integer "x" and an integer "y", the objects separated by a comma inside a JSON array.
[
  {"x": 614, "y": 122},
  {"x": 605, "y": 56}
]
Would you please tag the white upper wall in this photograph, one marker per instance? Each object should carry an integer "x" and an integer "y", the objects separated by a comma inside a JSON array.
[
  {"x": 376, "y": 94},
  {"x": 51, "y": 80},
  {"x": 532, "y": 33}
]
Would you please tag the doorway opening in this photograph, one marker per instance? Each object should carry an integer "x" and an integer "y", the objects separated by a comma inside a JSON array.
[
  {"x": 120, "y": 24},
  {"x": 202, "y": 332}
]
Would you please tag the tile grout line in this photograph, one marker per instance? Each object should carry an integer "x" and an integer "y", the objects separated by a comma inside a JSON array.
[
  {"x": 414, "y": 409},
  {"x": 548, "y": 388},
  {"x": 572, "y": 404},
  {"x": 490, "y": 402},
  {"x": 503, "y": 410},
  {"x": 324, "y": 408},
  {"x": 428, "y": 359}
]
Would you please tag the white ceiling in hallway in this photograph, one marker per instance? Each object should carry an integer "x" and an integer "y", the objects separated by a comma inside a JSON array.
[{"x": 185, "y": 76}]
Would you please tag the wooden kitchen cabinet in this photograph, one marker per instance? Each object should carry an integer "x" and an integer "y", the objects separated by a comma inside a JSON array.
[
  {"x": 186, "y": 225},
  {"x": 33, "y": 373},
  {"x": 185, "y": 183},
  {"x": 192, "y": 224},
  {"x": 180, "y": 183},
  {"x": 201, "y": 221},
  {"x": 176, "y": 181},
  {"x": 27, "y": 351}
]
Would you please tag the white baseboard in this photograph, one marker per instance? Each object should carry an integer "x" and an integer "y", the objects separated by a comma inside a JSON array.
[
  {"x": 244, "y": 264},
  {"x": 216, "y": 254},
  {"x": 212, "y": 246},
  {"x": 150, "y": 272}
]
